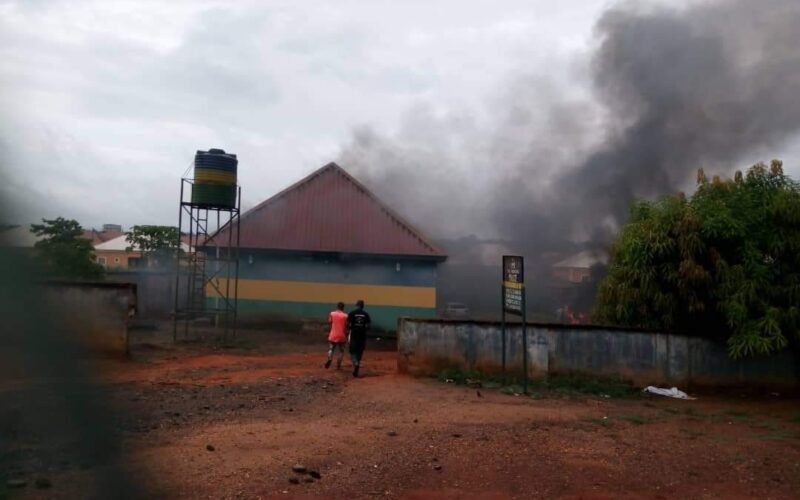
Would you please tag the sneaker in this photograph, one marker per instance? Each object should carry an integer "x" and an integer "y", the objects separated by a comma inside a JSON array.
[
  {"x": 355, "y": 371},
  {"x": 328, "y": 364}
]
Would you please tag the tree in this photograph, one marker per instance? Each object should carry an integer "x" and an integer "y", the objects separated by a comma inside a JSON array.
[
  {"x": 155, "y": 242},
  {"x": 64, "y": 251},
  {"x": 724, "y": 263}
]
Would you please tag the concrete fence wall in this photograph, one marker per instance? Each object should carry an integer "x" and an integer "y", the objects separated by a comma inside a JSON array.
[
  {"x": 427, "y": 346},
  {"x": 95, "y": 315},
  {"x": 156, "y": 291}
]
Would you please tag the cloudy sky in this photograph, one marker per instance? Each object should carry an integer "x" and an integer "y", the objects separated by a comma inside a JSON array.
[{"x": 103, "y": 103}]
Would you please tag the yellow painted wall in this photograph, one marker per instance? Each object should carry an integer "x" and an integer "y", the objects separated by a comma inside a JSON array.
[
  {"x": 111, "y": 257},
  {"x": 330, "y": 293}
]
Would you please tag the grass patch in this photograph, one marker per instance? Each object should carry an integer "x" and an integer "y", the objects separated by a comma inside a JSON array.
[
  {"x": 512, "y": 390},
  {"x": 634, "y": 419},
  {"x": 672, "y": 410},
  {"x": 602, "y": 421},
  {"x": 739, "y": 415},
  {"x": 782, "y": 435},
  {"x": 770, "y": 426},
  {"x": 560, "y": 384},
  {"x": 492, "y": 385},
  {"x": 580, "y": 384},
  {"x": 462, "y": 377}
]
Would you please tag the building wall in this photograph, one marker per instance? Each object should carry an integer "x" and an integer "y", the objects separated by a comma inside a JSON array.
[
  {"x": 116, "y": 259},
  {"x": 310, "y": 285},
  {"x": 571, "y": 274},
  {"x": 95, "y": 315},
  {"x": 427, "y": 346},
  {"x": 155, "y": 290}
]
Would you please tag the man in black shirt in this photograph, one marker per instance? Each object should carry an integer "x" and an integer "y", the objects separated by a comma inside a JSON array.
[{"x": 358, "y": 323}]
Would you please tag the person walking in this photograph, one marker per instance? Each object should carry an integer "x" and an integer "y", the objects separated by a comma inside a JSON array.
[
  {"x": 337, "y": 336},
  {"x": 358, "y": 323}
]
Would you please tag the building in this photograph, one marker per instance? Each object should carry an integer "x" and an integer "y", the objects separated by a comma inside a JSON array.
[
  {"x": 109, "y": 232},
  {"x": 114, "y": 253},
  {"x": 327, "y": 239},
  {"x": 117, "y": 254},
  {"x": 573, "y": 285},
  {"x": 577, "y": 268}
]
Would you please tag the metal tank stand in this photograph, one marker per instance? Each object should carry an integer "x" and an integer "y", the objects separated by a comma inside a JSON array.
[{"x": 207, "y": 275}]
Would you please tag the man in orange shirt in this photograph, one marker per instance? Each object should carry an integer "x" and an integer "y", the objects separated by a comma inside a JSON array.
[{"x": 338, "y": 334}]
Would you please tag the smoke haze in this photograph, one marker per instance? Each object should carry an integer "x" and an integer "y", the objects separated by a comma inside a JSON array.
[{"x": 672, "y": 90}]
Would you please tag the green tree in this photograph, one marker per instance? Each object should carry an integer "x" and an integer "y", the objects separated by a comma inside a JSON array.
[
  {"x": 724, "y": 263},
  {"x": 157, "y": 243},
  {"x": 64, "y": 251}
]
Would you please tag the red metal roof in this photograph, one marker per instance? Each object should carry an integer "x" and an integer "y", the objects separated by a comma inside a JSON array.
[{"x": 330, "y": 211}]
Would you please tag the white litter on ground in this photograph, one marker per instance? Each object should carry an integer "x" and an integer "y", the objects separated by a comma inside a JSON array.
[{"x": 670, "y": 393}]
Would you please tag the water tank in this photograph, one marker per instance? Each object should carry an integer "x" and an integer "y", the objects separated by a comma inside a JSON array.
[{"x": 214, "y": 179}]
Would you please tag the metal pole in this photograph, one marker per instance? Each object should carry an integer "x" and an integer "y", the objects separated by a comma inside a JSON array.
[
  {"x": 216, "y": 277},
  {"x": 192, "y": 263},
  {"x": 218, "y": 291},
  {"x": 228, "y": 274},
  {"x": 175, "y": 308},
  {"x": 524, "y": 345},
  {"x": 503, "y": 326},
  {"x": 236, "y": 271}
]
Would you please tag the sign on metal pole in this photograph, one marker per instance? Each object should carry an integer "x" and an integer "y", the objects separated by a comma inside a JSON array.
[
  {"x": 513, "y": 291},
  {"x": 513, "y": 284}
]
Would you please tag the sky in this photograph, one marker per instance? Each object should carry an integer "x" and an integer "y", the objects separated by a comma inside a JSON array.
[{"x": 103, "y": 103}]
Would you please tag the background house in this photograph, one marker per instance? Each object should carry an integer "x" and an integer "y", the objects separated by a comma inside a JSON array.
[
  {"x": 114, "y": 253},
  {"x": 577, "y": 268},
  {"x": 108, "y": 232},
  {"x": 328, "y": 239},
  {"x": 573, "y": 285}
]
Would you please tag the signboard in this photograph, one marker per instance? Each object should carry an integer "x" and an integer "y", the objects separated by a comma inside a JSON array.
[{"x": 513, "y": 284}]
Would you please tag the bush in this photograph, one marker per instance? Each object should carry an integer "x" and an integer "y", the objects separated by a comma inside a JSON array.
[{"x": 724, "y": 263}]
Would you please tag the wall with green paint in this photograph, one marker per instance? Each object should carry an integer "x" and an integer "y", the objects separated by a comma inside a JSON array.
[
  {"x": 337, "y": 268},
  {"x": 383, "y": 317},
  {"x": 334, "y": 269}
]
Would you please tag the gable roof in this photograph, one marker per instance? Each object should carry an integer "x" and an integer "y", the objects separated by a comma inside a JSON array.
[
  {"x": 97, "y": 237},
  {"x": 330, "y": 211},
  {"x": 121, "y": 244}
]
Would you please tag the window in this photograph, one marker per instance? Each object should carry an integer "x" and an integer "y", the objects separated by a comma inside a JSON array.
[
  {"x": 116, "y": 260},
  {"x": 101, "y": 261}
]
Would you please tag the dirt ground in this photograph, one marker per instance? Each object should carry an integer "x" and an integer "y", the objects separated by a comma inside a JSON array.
[{"x": 196, "y": 420}]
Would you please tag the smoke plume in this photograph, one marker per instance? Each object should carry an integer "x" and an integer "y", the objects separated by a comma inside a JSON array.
[{"x": 548, "y": 169}]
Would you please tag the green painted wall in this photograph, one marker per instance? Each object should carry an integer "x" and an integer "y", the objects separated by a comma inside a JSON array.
[
  {"x": 333, "y": 268},
  {"x": 383, "y": 317}
]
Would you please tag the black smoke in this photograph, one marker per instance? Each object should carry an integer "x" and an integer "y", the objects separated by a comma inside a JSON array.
[{"x": 550, "y": 171}]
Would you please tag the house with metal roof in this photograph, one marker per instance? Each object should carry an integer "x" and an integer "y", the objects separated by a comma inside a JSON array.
[
  {"x": 117, "y": 253},
  {"x": 327, "y": 239}
]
